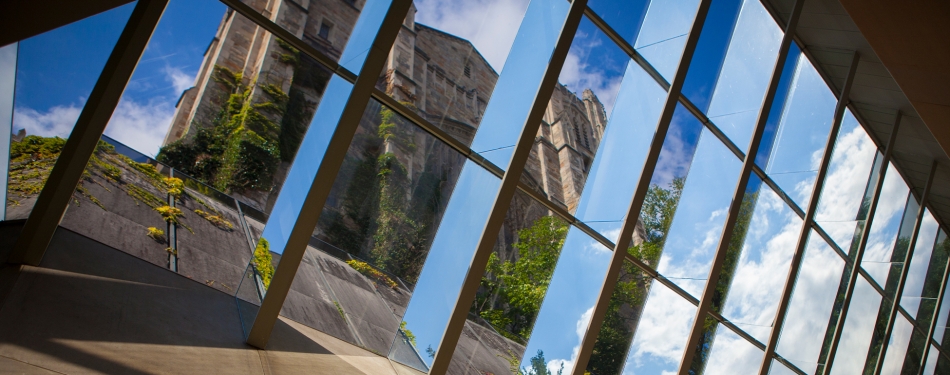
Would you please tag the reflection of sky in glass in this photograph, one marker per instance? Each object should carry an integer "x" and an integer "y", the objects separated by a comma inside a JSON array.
[
  {"x": 910, "y": 299},
  {"x": 897, "y": 348},
  {"x": 569, "y": 302},
  {"x": 812, "y": 300},
  {"x": 932, "y": 358},
  {"x": 7, "y": 79},
  {"x": 778, "y": 368},
  {"x": 300, "y": 178},
  {"x": 732, "y": 354},
  {"x": 886, "y": 224},
  {"x": 763, "y": 265},
  {"x": 515, "y": 90},
  {"x": 846, "y": 181},
  {"x": 697, "y": 226},
  {"x": 941, "y": 329},
  {"x": 596, "y": 63},
  {"x": 663, "y": 34},
  {"x": 856, "y": 334},
  {"x": 616, "y": 169},
  {"x": 710, "y": 51},
  {"x": 450, "y": 256},
  {"x": 624, "y": 16},
  {"x": 802, "y": 133},
  {"x": 745, "y": 73},
  {"x": 364, "y": 32},
  {"x": 661, "y": 333}
]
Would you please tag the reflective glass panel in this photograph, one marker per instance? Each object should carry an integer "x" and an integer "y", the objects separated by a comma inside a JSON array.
[
  {"x": 732, "y": 354},
  {"x": 932, "y": 359},
  {"x": 941, "y": 332},
  {"x": 663, "y": 34},
  {"x": 567, "y": 308},
  {"x": 897, "y": 347},
  {"x": 745, "y": 73},
  {"x": 660, "y": 334},
  {"x": 812, "y": 300},
  {"x": 501, "y": 319},
  {"x": 710, "y": 51},
  {"x": 447, "y": 59},
  {"x": 843, "y": 192},
  {"x": 7, "y": 80},
  {"x": 623, "y": 314},
  {"x": 514, "y": 93},
  {"x": 778, "y": 368},
  {"x": 802, "y": 133},
  {"x": 625, "y": 17},
  {"x": 924, "y": 266},
  {"x": 858, "y": 329},
  {"x": 891, "y": 229},
  {"x": 448, "y": 259},
  {"x": 55, "y": 74},
  {"x": 756, "y": 275},
  {"x": 695, "y": 230}
]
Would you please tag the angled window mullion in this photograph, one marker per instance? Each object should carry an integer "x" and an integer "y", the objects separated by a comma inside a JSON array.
[
  {"x": 54, "y": 198},
  {"x": 895, "y": 303},
  {"x": 320, "y": 185},
  {"x": 506, "y": 190},
  {"x": 858, "y": 250},
  {"x": 933, "y": 322},
  {"x": 8, "y": 62},
  {"x": 808, "y": 220},
  {"x": 632, "y": 217},
  {"x": 706, "y": 300}
]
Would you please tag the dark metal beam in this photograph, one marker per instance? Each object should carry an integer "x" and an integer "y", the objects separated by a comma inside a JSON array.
[
  {"x": 705, "y": 302},
  {"x": 859, "y": 250},
  {"x": 22, "y": 19},
  {"x": 808, "y": 221},
  {"x": 319, "y": 190},
  {"x": 506, "y": 191},
  {"x": 625, "y": 238},
  {"x": 66, "y": 173},
  {"x": 933, "y": 322}
]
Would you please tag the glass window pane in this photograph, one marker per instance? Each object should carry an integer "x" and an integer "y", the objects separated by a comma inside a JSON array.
[
  {"x": 663, "y": 35},
  {"x": 745, "y": 73},
  {"x": 8, "y": 59},
  {"x": 505, "y": 115},
  {"x": 661, "y": 333},
  {"x": 55, "y": 73},
  {"x": 694, "y": 233},
  {"x": 711, "y": 51},
  {"x": 920, "y": 272},
  {"x": 778, "y": 368},
  {"x": 941, "y": 332},
  {"x": 623, "y": 314},
  {"x": 755, "y": 274},
  {"x": 802, "y": 134},
  {"x": 812, "y": 300},
  {"x": 858, "y": 329},
  {"x": 732, "y": 354},
  {"x": 897, "y": 347},
  {"x": 502, "y": 317},
  {"x": 567, "y": 308},
  {"x": 848, "y": 177},
  {"x": 891, "y": 229},
  {"x": 932, "y": 359},
  {"x": 625, "y": 17},
  {"x": 447, "y": 59}
]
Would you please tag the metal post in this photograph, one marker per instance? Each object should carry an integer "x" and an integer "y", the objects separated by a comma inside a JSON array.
[
  {"x": 809, "y": 219},
  {"x": 506, "y": 191},
  {"x": 8, "y": 60},
  {"x": 646, "y": 176},
  {"x": 316, "y": 196},
  {"x": 933, "y": 321},
  {"x": 859, "y": 250},
  {"x": 895, "y": 303},
  {"x": 54, "y": 198},
  {"x": 705, "y": 301}
]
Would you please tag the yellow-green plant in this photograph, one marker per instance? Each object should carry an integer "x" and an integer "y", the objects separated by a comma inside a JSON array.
[
  {"x": 170, "y": 214},
  {"x": 368, "y": 271},
  {"x": 156, "y": 234},
  {"x": 217, "y": 220},
  {"x": 174, "y": 186},
  {"x": 264, "y": 262},
  {"x": 407, "y": 332}
]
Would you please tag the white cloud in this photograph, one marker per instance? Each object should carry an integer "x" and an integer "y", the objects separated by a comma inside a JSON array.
[
  {"x": 661, "y": 333},
  {"x": 580, "y": 327},
  {"x": 58, "y": 121},
  {"x": 491, "y": 25},
  {"x": 578, "y": 74},
  {"x": 180, "y": 80},
  {"x": 141, "y": 126}
]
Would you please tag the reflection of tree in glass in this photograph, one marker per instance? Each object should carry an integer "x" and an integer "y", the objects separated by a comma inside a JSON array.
[
  {"x": 512, "y": 291},
  {"x": 626, "y": 302},
  {"x": 263, "y": 262},
  {"x": 539, "y": 367}
]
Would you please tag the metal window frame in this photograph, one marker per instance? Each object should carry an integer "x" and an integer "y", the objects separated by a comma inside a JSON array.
[
  {"x": 809, "y": 219},
  {"x": 705, "y": 301},
  {"x": 316, "y": 197},
  {"x": 625, "y": 238},
  {"x": 933, "y": 322},
  {"x": 509, "y": 183},
  {"x": 6, "y": 128},
  {"x": 859, "y": 251},
  {"x": 53, "y": 200}
]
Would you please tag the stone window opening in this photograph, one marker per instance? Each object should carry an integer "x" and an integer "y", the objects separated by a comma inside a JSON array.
[
  {"x": 468, "y": 71},
  {"x": 325, "y": 28}
]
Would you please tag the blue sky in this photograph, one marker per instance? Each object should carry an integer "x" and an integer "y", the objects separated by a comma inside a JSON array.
[{"x": 57, "y": 70}]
